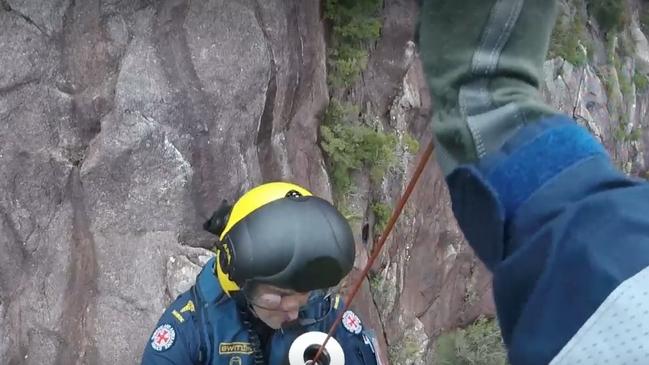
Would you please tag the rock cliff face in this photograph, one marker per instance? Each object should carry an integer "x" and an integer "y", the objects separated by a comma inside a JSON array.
[
  {"x": 607, "y": 91},
  {"x": 428, "y": 280},
  {"x": 124, "y": 123}
]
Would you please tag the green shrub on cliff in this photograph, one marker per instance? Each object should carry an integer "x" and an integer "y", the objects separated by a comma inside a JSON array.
[
  {"x": 382, "y": 213},
  {"x": 641, "y": 82},
  {"x": 478, "y": 344},
  {"x": 611, "y": 15},
  {"x": 569, "y": 41},
  {"x": 351, "y": 145},
  {"x": 355, "y": 24}
]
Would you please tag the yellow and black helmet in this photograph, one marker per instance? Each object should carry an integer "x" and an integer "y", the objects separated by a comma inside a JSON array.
[{"x": 280, "y": 234}]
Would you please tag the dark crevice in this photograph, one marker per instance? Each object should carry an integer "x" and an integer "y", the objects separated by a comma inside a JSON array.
[
  {"x": 437, "y": 289},
  {"x": 175, "y": 54},
  {"x": 64, "y": 88},
  {"x": 68, "y": 20},
  {"x": 133, "y": 303},
  {"x": 87, "y": 116},
  {"x": 115, "y": 64},
  {"x": 89, "y": 101},
  {"x": 268, "y": 163},
  {"x": 365, "y": 233},
  {"x": 12, "y": 262},
  {"x": 15, "y": 236},
  {"x": 17, "y": 86},
  {"x": 296, "y": 62},
  {"x": 167, "y": 293},
  {"x": 80, "y": 295},
  {"x": 171, "y": 45},
  {"x": 265, "y": 131},
  {"x": 14, "y": 256},
  {"x": 46, "y": 331},
  {"x": 378, "y": 313},
  {"x": 259, "y": 18},
  {"x": 197, "y": 238},
  {"x": 5, "y": 5}
]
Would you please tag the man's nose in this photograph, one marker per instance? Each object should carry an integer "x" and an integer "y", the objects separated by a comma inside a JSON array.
[{"x": 291, "y": 315}]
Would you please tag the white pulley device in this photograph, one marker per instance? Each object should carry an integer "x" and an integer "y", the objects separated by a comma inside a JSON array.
[{"x": 305, "y": 347}]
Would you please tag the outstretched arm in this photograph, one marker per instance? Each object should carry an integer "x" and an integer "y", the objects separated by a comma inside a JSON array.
[{"x": 565, "y": 234}]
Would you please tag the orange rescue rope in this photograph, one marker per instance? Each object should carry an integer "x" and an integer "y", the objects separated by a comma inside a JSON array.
[{"x": 377, "y": 249}]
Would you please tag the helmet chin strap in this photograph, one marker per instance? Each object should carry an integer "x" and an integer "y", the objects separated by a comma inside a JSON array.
[
  {"x": 253, "y": 336},
  {"x": 240, "y": 299}
]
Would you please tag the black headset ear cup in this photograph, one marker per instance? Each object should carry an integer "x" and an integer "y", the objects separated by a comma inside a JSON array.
[{"x": 218, "y": 220}]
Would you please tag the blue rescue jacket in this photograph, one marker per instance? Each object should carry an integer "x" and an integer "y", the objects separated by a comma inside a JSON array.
[
  {"x": 205, "y": 326},
  {"x": 566, "y": 235}
]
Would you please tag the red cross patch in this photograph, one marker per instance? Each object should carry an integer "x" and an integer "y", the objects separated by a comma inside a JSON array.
[
  {"x": 163, "y": 337},
  {"x": 352, "y": 323}
]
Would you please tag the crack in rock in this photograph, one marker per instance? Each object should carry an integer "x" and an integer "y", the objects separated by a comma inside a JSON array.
[
  {"x": 6, "y": 6},
  {"x": 79, "y": 308}
]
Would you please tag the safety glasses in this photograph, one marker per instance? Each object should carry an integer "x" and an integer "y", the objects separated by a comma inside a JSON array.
[{"x": 275, "y": 299}]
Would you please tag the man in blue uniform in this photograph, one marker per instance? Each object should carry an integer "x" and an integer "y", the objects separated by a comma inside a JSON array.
[
  {"x": 565, "y": 234},
  {"x": 280, "y": 249}
]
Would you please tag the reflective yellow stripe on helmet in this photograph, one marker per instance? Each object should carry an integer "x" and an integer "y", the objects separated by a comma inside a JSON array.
[{"x": 258, "y": 197}]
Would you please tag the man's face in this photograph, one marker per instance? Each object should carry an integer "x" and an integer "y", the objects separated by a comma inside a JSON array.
[{"x": 276, "y": 306}]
